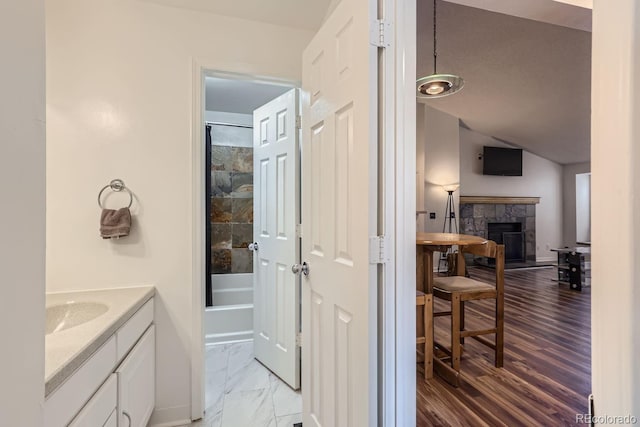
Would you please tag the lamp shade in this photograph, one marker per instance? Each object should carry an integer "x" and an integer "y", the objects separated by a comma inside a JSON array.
[{"x": 450, "y": 187}]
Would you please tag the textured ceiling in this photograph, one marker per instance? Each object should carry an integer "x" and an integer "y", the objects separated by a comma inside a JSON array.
[
  {"x": 239, "y": 96},
  {"x": 558, "y": 12},
  {"x": 527, "y": 82}
]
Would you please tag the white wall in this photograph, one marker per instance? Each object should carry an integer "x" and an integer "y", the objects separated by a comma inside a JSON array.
[
  {"x": 569, "y": 200},
  {"x": 540, "y": 178},
  {"x": 119, "y": 100},
  {"x": 421, "y": 219},
  {"x": 22, "y": 247},
  {"x": 615, "y": 208},
  {"x": 438, "y": 145}
]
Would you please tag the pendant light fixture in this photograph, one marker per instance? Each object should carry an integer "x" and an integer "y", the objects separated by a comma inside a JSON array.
[{"x": 438, "y": 85}]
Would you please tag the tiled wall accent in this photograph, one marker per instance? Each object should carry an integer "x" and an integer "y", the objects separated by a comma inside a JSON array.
[
  {"x": 474, "y": 218},
  {"x": 231, "y": 199}
]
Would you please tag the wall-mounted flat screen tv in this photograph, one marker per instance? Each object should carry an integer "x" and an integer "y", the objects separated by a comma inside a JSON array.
[{"x": 502, "y": 161}]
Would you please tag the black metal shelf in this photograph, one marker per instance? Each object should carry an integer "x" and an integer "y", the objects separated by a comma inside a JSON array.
[{"x": 574, "y": 267}]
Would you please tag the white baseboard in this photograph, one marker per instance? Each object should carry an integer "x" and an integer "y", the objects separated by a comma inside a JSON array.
[
  {"x": 171, "y": 417},
  {"x": 546, "y": 259}
]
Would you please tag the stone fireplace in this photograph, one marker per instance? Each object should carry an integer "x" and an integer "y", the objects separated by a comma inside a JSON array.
[{"x": 507, "y": 220}]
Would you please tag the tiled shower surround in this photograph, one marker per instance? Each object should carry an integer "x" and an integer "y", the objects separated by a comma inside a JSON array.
[
  {"x": 475, "y": 219},
  {"x": 231, "y": 199}
]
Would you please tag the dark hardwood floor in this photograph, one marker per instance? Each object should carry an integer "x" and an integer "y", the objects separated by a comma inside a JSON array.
[{"x": 546, "y": 376}]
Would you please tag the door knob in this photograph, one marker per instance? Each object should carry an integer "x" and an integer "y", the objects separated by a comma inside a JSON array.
[
  {"x": 300, "y": 268},
  {"x": 253, "y": 246}
]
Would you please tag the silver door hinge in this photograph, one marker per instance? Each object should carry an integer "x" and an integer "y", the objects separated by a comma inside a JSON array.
[
  {"x": 299, "y": 339},
  {"x": 299, "y": 231},
  {"x": 298, "y": 122},
  {"x": 379, "y": 249},
  {"x": 381, "y": 33}
]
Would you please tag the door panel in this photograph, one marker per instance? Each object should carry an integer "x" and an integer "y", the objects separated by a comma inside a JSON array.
[
  {"x": 136, "y": 382},
  {"x": 277, "y": 208},
  {"x": 339, "y": 214}
]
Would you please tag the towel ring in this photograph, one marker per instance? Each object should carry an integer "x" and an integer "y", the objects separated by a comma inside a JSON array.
[{"x": 116, "y": 185}]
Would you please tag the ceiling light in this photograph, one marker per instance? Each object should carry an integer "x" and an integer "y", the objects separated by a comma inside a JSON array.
[{"x": 438, "y": 85}]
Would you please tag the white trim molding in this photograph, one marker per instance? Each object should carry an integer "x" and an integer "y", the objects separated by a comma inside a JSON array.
[
  {"x": 615, "y": 196},
  {"x": 198, "y": 270},
  {"x": 404, "y": 148}
]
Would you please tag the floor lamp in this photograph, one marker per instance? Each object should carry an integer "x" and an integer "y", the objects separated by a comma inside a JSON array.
[{"x": 450, "y": 222}]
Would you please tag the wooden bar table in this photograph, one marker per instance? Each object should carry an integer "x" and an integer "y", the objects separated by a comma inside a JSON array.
[{"x": 426, "y": 245}]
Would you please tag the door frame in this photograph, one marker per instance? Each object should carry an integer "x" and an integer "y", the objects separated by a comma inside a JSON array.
[
  {"x": 398, "y": 314},
  {"x": 202, "y": 68},
  {"x": 397, "y": 183}
]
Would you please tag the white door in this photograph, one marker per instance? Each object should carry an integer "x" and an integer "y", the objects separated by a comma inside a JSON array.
[
  {"x": 276, "y": 291},
  {"x": 339, "y": 214}
]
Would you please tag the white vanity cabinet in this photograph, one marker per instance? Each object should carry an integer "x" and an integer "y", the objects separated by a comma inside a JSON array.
[
  {"x": 115, "y": 386},
  {"x": 136, "y": 383}
]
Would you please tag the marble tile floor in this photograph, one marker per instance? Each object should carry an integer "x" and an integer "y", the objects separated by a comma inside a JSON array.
[{"x": 241, "y": 392}]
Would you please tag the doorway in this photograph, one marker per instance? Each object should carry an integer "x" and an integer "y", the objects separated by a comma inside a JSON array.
[
  {"x": 456, "y": 133},
  {"x": 341, "y": 111},
  {"x": 239, "y": 389}
]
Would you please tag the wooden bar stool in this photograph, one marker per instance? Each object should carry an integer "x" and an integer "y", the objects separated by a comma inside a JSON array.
[
  {"x": 425, "y": 322},
  {"x": 458, "y": 290}
]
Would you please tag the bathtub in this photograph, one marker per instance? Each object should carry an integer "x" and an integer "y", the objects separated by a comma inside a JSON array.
[{"x": 230, "y": 319}]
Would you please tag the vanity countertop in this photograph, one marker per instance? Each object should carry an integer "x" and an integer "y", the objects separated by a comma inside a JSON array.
[{"x": 67, "y": 350}]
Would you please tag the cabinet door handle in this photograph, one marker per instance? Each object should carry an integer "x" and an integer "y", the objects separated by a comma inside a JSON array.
[{"x": 128, "y": 417}]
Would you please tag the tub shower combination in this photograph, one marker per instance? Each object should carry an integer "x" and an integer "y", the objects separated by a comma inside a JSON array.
[{"x": 230, "y": 318}]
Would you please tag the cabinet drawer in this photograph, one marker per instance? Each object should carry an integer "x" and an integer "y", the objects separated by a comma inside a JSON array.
[
  {"x": 64, "y": 403},
  {"x": 129, "y": 333},
  {"x": 101, "y": 406}
]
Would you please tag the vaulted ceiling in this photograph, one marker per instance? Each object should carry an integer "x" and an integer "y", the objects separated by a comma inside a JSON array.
[{"x": 527, "y": 83}]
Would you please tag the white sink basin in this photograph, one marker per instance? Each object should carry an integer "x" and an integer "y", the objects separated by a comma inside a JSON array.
[{"x": 64, "y": 316}]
